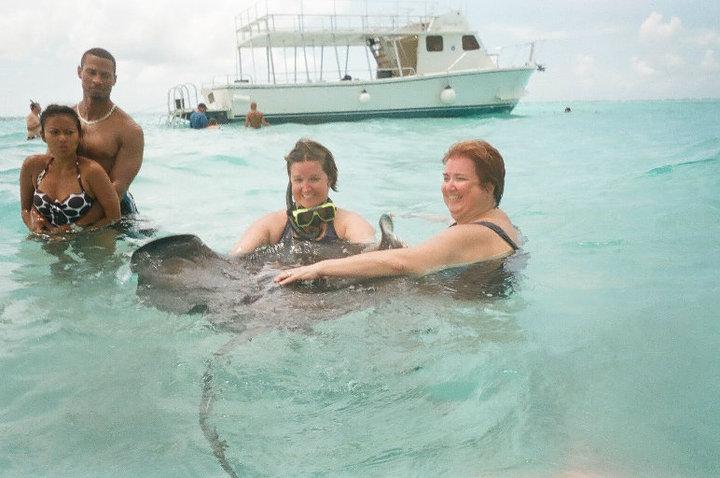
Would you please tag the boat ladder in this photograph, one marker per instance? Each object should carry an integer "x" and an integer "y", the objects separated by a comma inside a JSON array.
[{"x": 182, "y": 99}]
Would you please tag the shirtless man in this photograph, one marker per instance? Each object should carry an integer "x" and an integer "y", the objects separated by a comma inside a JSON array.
[
  {"x": 109, "y": 135},
  {"x": 32, "y": 120},
  {"x": 254, "y": 118}
]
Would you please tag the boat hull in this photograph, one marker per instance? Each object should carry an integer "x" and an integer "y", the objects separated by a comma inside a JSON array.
[{"x": 471, "y": 93}]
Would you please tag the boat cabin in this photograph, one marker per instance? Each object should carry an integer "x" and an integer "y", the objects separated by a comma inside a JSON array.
[
  {"x": 310, "y": 48},
  {"x": 446, "y": 43}
]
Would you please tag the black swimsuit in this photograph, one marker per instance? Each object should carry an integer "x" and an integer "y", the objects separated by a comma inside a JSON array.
[
  {"x": 60, "y": 213},
  {"x": 497, "y": 230},
  {"x": 330, "y": 234},
  {"x": 500, "y": 232}
]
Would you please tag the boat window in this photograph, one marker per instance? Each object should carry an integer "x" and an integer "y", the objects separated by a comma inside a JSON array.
[
  {"x": 434, "y": 43},
  {"x": 470, "y": 42}
]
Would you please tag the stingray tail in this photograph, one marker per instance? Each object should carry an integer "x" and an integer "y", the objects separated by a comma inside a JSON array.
[
  {"x": 388, "y": 239},
  {"x": 206, "y": 403}
]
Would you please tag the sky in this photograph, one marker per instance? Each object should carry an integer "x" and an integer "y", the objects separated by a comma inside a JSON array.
[{"x": 592, "y": 49}]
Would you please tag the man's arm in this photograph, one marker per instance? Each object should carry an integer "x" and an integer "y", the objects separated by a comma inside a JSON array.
[
  {"x": 128, "y": 160},
  {"x": 102, "y": 189},
  {"x": 127, "y": 164}
]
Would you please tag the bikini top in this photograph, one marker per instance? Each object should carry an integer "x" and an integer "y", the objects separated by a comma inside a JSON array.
[
  {"x": 56, "y": 212},
  {"x": 497, "y": 230}
]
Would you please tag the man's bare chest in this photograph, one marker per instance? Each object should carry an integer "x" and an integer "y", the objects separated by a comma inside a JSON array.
[{"x": 102, "y": 148}]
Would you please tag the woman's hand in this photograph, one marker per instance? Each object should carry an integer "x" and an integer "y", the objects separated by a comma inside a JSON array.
[
  {"x": 289, "y": 276},
  {"x": 59, "y": 230},
  {"x": 38, "y": 223}
]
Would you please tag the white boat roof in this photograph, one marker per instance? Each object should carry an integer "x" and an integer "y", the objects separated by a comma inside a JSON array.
[{"x": 287, "y": 30}]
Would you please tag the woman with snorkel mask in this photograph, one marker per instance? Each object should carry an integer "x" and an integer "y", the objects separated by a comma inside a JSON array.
[{"x": 310, "y": 214}]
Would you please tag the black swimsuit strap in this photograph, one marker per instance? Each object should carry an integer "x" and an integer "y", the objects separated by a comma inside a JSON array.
[
  {"x": 499, "y": 231},
  {"x": 77, "y": 165},
  {"x": 43, "y": 172}
]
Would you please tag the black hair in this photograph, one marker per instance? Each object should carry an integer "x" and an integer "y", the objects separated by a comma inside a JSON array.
[
  {"x": 59, "y": 110},
  {"x": 100, "y": 53}
]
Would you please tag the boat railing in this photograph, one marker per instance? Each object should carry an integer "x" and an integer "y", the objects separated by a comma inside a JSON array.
[
  {"x": 260, "y": 19},
  {"x": 393, "y": 72},
  {"x": 322, "y": 23},
  {"x": 301, "y": 77},
  {"x": 222, "y": 80},
  {"x": 514, "y": 55}
]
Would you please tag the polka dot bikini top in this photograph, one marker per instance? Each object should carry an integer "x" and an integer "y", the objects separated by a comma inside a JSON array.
[{"x": 59, "y": 213}]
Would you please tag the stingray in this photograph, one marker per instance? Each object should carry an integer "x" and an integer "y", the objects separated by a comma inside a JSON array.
[{"x": 181, "y": 274}]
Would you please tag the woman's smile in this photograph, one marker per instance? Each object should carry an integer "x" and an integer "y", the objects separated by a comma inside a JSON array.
[{"x": 310, "y": 184}]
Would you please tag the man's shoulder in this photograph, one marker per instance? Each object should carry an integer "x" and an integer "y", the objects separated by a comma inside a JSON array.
[
  {"x": 120, "y": 125},
  {"x": 128, "y": 120},
  {"x": 89, "y": 164}
]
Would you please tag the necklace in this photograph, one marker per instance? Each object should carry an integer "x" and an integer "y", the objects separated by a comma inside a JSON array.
[{"x": 88, "y": 122}]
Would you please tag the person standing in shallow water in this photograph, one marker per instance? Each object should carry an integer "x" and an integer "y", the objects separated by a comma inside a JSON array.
[
  {"x": 310, "y": 215},
  {"x": 109, "y": 135},
  {"x": 198, "y": 118},
  {"x": 32, "y": 120},
  {"x": 254, "y": 118},
  {"x": 61, "y": 186},
  {"x": 473, "y": 184}
]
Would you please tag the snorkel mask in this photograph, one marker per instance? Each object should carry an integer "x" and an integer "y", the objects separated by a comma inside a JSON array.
[{"x": 302, "y": 219}]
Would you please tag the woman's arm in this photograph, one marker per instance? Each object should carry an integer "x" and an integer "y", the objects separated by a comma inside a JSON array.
[
  {"x": 452, "y": 247},
  {"x": 352, "y": 227},
  {"x": 265, "y": 231},
  {"x": 99, "y": 186},
  {"x": 28, "y": 172},
  {"x": 446, "y": 249}
]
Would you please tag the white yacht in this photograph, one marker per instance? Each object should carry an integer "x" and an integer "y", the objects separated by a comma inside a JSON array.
[{"x": 343, "y": 66}]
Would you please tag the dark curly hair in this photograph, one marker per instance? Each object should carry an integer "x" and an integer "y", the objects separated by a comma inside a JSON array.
[{"x": 60, "y": 110}]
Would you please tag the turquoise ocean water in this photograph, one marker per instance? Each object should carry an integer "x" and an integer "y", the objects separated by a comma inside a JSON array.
[{"x": 603, "y": 362}]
